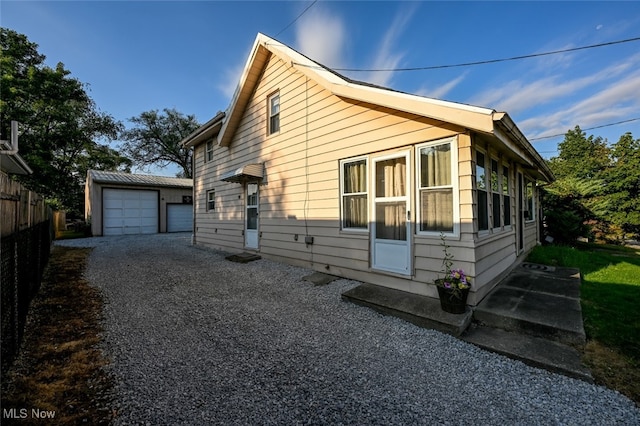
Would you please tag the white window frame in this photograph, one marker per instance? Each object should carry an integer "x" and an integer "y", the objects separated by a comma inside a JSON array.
[
  {"x": 531, "y": 209},
  {"x": 210, "y": 193},
  {"x": 498, "y": 192},
  {"x": 506, "y": 212},
  {"x": 208, "y": 151},
  {"x": 271, "y": 114},
  {"x": 486, "y": 190},
  {"x": 343, "y": 195},
  {"x": 453, "y": 141}
]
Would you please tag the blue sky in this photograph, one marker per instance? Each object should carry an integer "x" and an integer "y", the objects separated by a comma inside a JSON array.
[{"x": 188, "y": 55}]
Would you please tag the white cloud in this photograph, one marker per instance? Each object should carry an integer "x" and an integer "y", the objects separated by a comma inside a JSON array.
[
  {"x": 615, "y": 102},
  {"x": 519, "y": 95},
  {"x": 320, "y": 35},
  {"x": 441, "y": 91},
  {"x": 388, "y": 56},
  {"x": 230, "y": 80}
]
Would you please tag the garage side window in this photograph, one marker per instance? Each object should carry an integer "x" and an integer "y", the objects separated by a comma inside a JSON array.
[{"x": 211, "y": 200}]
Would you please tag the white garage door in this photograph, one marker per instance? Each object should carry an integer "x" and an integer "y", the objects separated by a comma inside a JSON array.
[
  {"x": 129, "y": 211},
  {"x": 179, "y": 217}
]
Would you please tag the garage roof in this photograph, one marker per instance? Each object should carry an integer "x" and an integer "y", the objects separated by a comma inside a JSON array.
[{"x": 138, "y": 180}]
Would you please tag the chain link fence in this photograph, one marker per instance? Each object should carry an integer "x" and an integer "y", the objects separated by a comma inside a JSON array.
[{"x": 24, "y": 256}]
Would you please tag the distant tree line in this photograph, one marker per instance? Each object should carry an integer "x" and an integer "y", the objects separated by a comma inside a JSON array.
[
  {"x": 63, "y": 134},
  {"x": 597, "y": 191}
]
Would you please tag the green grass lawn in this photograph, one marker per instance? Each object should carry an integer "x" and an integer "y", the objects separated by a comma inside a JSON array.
[
  {"x": 610, "y": 297},
  {"x": 610, "y": 291}
]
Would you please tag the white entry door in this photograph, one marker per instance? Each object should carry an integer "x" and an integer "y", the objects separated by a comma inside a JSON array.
[
  {"x": 391, "y": 231},
  {"x": 251, "y": 217}
]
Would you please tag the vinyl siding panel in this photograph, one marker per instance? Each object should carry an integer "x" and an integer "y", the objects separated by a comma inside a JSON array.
[{"x": 300, "y": 193}]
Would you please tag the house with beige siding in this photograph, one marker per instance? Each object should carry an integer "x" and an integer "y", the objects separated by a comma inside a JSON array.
[{"x": 312, "y": 168}]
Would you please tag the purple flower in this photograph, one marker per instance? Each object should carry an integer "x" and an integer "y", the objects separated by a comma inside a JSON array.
[{"x": 447, "y": 284}]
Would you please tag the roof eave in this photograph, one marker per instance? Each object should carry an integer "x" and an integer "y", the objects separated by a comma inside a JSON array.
[
  {"x": 207, "y": 131},
  {"x": 17, "y": 165},
  {"x": 248, "y": 80},
  {"x": 505, "y": 124}
]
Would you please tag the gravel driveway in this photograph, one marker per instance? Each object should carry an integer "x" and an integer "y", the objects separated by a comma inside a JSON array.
[{"x": 196, "y": 339}]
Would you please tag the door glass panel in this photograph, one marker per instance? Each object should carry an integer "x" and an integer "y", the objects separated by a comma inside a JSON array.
[
  {"x": 391, "y": 222},
  {"x": 391, "y": 177},
  {"x": 252, "y": 194},
  {"x": 252, "y": 218}
]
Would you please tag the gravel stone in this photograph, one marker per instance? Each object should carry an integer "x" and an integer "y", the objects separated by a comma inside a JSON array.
[{"x": 195, "y": 339}]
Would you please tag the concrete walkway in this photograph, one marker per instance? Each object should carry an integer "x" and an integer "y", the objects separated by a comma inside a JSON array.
[{"x": 533, "y": 315}]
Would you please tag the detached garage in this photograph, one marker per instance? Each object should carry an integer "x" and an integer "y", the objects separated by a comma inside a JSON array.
[{"x": 122, "y": 203}]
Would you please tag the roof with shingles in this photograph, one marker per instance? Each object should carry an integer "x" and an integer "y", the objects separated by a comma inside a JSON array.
[{"x": 139, "y": 180}]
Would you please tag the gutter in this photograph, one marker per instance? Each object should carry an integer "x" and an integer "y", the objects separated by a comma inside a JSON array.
[
  {"x": 203, "y": 131},
  {"x": 14, "y": 140},
  {"x": 503, "y": 119}
]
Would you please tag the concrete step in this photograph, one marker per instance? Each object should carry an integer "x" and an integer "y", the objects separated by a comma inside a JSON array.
[
  {"x": 534, "y": 351},
  {"x": 541, "y": 303},
  {"x": 420, "y": 310}
]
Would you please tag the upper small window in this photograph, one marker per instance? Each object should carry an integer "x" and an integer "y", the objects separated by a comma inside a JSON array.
[
  {"x": 209, "y": 151},
  {"x": 274, "y": 113},
  {"x": 211, "y": 200}
]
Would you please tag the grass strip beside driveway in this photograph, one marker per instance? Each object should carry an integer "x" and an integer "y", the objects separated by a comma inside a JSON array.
[{"x": 59, "y": 371}]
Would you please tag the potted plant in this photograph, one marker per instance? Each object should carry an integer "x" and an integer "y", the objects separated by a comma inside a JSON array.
[{"x": 453, "y": 289}]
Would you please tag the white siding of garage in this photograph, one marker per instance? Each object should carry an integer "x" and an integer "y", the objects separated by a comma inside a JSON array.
[
  {"x": 130, "y": 211},
  {"x": 179, "y": 217}
]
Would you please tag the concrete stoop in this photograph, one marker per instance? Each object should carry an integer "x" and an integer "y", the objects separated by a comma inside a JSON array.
[
  {"x": 535, "y": 351},
  {"x": 533, "y": 315},
  {"x": 538, "y": 300},
  {"x": 420, "y": 310}
]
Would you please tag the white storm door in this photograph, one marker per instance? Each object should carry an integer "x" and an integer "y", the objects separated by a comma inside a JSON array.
[
  {"x": 391, "y": 230},
  {"x": 251, "y": 217}
]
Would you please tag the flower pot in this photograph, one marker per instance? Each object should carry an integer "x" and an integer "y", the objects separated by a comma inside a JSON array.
[{"x": 454, "y": 302}]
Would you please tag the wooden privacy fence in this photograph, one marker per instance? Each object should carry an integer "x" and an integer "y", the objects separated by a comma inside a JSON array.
[{"x": 25, "y": 236}]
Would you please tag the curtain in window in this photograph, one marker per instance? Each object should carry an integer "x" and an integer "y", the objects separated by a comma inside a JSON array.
[
  {"x": 435, "y": 167},
  {"x": 436, "y": 210},
  {"x": 355, "y": 206},
  {"x": 436, "y": 205},
  {"x": 391, "y": 215}
]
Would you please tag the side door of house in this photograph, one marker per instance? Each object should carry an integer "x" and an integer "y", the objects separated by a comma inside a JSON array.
[
  {"x": 251, "y": 216},
  {"x": 391, "y": 230}
]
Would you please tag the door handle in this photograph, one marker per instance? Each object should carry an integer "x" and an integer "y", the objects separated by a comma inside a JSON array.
[{"x": 408, "y": 216}]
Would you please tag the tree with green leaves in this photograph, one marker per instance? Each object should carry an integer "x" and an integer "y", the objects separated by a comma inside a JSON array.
[
  {"x": 622, "y": 189},
  {"x": 155, "y": 140},
  {"x": 580, "y": 156},
  {"x": 596, "y": 183},
  {"x": 62, "y": 133}
]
